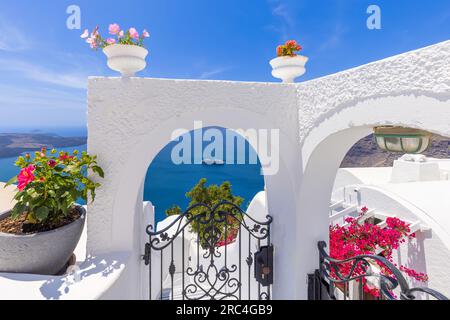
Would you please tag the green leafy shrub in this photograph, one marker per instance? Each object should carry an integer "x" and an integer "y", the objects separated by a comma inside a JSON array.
[
  {"x": 51, "y": 182},
  {"x": 211, "y": 196}
]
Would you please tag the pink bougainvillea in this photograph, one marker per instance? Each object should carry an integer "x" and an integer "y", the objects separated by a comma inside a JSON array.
[{"x": 362, "y": 238}]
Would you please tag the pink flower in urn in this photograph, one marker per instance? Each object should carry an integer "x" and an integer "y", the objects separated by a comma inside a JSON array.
[
  {"x": 133, "y": 33},
  {"x": 92, "y": 42},
  {"x": 25, "y": 177},
  {"x": 85, "y": 34},
  {"x": 126, "y": 37},
  {"x": 114, "y": 28},
  {"x": 95, "y": 33}
]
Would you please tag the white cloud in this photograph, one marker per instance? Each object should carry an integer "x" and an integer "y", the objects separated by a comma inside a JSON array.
[
  {"x": 12, "y": 38},
  {"x": 30, "y": 71},
  {"x": 335, "y": 37},
  {"x": 209, "y": 73},
  {"x": 286, "y": 25},
  {"x": 40, "y": 106},
  {"x": 281, "y": 11},
  {"x": 39, "y": 97}
]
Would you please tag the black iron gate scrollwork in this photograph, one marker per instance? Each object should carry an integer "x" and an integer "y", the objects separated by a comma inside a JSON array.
[
  {"x": 329, "y": 281},
  {"x": 231, "y": 258}
]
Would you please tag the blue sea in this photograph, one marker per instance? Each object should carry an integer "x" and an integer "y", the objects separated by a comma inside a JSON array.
[{"x": 165, "y": 183}]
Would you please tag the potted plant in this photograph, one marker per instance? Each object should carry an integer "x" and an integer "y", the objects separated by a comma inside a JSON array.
[
  {"x": 40, "y": 233},
  {"x": 124, "y": 49},
  {"x": 288, "y": 65}
]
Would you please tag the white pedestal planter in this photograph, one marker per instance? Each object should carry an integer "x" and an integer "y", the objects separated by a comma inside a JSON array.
[
  {"x": 288, "y": 68},
  {"x": 126, "y": 59}
]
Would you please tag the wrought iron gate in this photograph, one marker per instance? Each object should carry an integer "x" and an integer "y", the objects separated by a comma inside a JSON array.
[
  {"x": 214, "y": 253},
  {"x": 330, "y": 282}
]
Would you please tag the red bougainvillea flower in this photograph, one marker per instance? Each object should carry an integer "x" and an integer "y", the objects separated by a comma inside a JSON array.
[
  {"x": 288, "y": 48},
  {"x": 279, "y": 50},
  {"x": 359, "y": 238},
  {"x": 25, "y": 177},
  {"x": 231, "y": 237}
]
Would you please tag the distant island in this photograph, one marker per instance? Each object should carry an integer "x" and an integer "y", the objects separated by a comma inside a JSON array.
[{"x": 14, "y": 144}]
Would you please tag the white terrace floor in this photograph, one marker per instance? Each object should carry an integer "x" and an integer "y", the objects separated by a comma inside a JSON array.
[{"x": 6, "y": 198}]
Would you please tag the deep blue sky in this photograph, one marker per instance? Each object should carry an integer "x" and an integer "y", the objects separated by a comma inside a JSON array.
[{"x": 44, "y": 65}]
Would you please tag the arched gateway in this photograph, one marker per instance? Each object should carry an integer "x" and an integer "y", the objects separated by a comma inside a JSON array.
[{"x": 130, "y": 120}]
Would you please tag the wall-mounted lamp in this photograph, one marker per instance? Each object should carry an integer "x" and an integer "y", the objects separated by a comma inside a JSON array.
[{"x": 400, "y": 139}]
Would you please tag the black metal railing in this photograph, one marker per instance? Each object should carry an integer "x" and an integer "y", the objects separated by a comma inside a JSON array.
[
  {"x": 323, "y": 283},
  {"x": 210, "y": 274}
]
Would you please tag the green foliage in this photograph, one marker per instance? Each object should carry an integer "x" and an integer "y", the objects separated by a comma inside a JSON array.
[
  {"x": 50, "y": 183},
  {"x": 175, "y": 210},
  {"x": 211, "y": 196}
]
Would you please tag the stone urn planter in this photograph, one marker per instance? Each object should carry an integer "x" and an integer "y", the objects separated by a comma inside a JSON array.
[
  {"x": 126, "y": 59},
  {"x": 41, "y": 231},
  {"x": 43, "y": 253},
  {"x": 288, "y": 68},
  {"x": 124, "y": 48}
]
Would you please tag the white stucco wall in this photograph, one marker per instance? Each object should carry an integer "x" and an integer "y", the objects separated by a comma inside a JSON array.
[
  {"x": 130, "y": 120},
  {"x": 412, "y": 90}
]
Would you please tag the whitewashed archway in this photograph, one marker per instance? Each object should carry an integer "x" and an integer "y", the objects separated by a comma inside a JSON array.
[
  {"x": 130, "y": 120},
  {"x": 327, "y": 144}
]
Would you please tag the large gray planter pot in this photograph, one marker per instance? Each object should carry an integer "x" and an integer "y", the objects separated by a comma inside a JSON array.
[{"x": 40, "y": 253}]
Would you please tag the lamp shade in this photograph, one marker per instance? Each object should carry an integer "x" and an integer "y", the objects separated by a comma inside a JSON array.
[{"x": 400, "y": 139}]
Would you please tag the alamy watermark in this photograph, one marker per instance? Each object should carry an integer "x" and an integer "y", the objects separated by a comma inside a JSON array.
[
  {"x": 227, "y": 147},
  {"x": 374, "y": 20},
  {"x": 73, "y": 21}
]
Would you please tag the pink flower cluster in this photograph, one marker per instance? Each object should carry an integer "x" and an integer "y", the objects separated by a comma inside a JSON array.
[
  {"x": 25, "y": 177},
  {"x": 129, "y": 37},
  {"x": 357, "y": 238}
]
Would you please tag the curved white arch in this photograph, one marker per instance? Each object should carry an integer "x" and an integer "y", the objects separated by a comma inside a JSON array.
[
  {"x": 327, "y": 143},
  {"x": 130, "y": 120},
  {"x": 148, "y": 146}
]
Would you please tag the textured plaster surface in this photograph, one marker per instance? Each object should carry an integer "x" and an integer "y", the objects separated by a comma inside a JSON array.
[
  {"x": 423, "y": 72},
  {"x": 123, "y": 113},
  {"x": 130, "y": 120}
]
